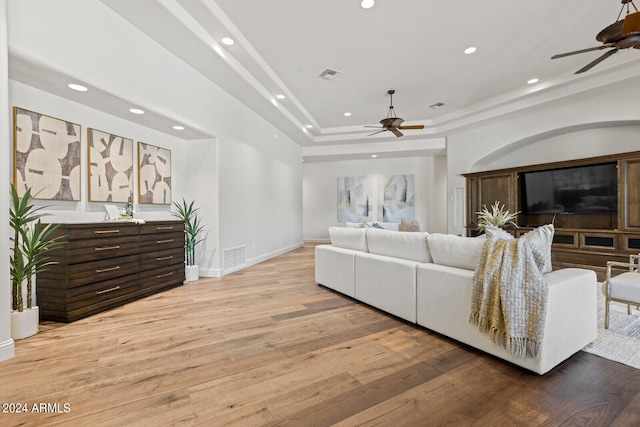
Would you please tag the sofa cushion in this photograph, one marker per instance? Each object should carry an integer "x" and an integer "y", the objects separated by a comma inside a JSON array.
[
  {"x": 410, "y": 246},
  {"x": 542, "y": 237},
  {"x": 455, "y": 251},
  {"x": 349, "y": 238}
]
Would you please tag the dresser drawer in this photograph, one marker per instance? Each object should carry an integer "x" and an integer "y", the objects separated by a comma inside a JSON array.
[
  {"x": 162, "y": 227},
  {"x": 153, "y": 260},
  {"x": 101, "y": 231},
  {"x": 97, "y": 249},
  {"x": 97, "y": 292},
  {"x": 98, "y": 271},
  {"x": 168, "y": 274},
  {"x": 159, "y": 242}
]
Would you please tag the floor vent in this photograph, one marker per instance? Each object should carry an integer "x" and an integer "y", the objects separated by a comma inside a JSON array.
[{"x": 235, "y": 257}]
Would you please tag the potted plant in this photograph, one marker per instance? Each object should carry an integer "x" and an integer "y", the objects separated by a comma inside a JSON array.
[
  {"x": 498, "y": 217},
  {"x": 193, "y": 227},
  {"x": 29, "y": 245}
]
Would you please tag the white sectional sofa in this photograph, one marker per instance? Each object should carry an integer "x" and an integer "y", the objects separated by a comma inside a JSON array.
[{"x": 427, "y": 279}]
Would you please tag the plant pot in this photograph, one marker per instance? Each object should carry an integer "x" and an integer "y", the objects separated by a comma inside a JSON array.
[
  {"x": 25, "y": 323},
  {"x": 191, "y": 273}
]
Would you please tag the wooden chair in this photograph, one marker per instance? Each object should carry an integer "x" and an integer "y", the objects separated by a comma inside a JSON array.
[{"x": 624, "y": 288}]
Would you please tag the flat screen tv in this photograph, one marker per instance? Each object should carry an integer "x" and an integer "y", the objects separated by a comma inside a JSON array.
[{"x": 578, "y": 189}]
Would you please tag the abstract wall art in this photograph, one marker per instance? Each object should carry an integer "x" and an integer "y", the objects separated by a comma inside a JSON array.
[
  {"x": 46, "y": 156},
  {"x": 396, "y": 198},
  {"x": 355, "y": 198},
  {"x": 154, "y": 174},
  {"x": 110, "y": 161}
]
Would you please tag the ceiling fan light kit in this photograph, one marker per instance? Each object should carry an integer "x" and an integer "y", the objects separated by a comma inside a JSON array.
[
  {"x": 622, "y": 34},
  {"x": 392, "y": 123}
]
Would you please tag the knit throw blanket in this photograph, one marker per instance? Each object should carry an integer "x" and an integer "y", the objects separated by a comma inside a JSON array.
[{"x": 509, "y": 296}]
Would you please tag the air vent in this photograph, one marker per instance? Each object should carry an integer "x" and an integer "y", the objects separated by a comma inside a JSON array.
[
  {"x": 234, "y": 257},
  {"x": 329, "y": 74},
  {"x": 437, "y": 105}
]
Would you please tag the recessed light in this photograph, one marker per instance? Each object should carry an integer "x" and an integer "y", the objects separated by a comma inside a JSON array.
[
  {"x": 228, "y": 41},
  {"x": 178, "y": 127},
  {"x": 367, "y": 4},
  {"x": 374, "y": 156},
  {"x": 347, "y": 114},
  {"x": 470, "y": 50},
  {"x": 532, "y": 81},
  {"x": 136, "y": 111},
  {"x": 77, "y": 87},
  {"x": 280, "y": 96},
  {"x": 309, "y": 126}
]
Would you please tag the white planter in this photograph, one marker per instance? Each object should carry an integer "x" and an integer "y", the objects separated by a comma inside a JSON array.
[
  {"x": 191, "y": 273},
  {"x": 25, "y": 323}
]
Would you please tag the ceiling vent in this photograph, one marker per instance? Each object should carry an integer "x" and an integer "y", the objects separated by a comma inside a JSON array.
[
  {"x": 329, "y": 74},
  {"x": 437, "y": 105}
]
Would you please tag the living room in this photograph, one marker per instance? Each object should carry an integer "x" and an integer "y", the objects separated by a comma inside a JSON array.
[{"x": 245, "y": 171}]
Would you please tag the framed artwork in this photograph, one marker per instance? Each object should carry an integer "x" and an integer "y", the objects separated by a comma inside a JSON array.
[
  {"x": 110, "y": 161},
  {"x": 355, "y": 198},
  {"x": 396, "y": 198},
  {"x": 46, "y": 156},
  {"x": 154, "y": 174}
]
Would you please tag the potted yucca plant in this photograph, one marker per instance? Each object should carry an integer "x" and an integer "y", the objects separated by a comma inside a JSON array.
[
  {"x": 497, "y": 217},
  {"x": 31, "y": 240},
  {"x": 193, "y": 227}
]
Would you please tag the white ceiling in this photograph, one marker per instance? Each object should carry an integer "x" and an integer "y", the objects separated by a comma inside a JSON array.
[{"x": 415, "y": 47}]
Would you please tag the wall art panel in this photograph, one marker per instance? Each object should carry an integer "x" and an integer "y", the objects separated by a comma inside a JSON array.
[
  {"x": 154, "y": 174},
  {"x": 397, "y": 196},
  {"x": 110, "y": 167},
  {"x": 46, "y": 156},
  {"x": 355, "y": 198}
]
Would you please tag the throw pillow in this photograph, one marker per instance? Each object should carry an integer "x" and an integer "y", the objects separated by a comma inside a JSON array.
[
  {"x": 376, "y": 225},
  {"x": 542, "y": 237},
  {"x": 412, "y": 226}
]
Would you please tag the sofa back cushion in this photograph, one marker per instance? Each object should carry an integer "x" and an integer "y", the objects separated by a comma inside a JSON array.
[
  {"x": 410, "y": 246},
  {"x": 349, "y": 238},
  {"x": 455, "y": 251}
]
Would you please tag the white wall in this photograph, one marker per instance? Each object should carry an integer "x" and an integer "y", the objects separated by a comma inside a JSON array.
[
  {"x": 6, "y": 343},
  {"x": 596, "y": 122},
  {"x": 320, "y": 190},
  {"x": 247, "y": 184}
]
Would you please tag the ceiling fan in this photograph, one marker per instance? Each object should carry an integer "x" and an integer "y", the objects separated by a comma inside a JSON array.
[
  {"x": 622, "y": 34},
  {"x": 392, "y": 123}
]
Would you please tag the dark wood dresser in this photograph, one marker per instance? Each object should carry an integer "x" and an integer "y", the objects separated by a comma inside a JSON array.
[{"x": 107, "y": 264}]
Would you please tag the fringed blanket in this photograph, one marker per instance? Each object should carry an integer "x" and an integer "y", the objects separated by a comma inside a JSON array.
[{"x": 509, "y": 296}]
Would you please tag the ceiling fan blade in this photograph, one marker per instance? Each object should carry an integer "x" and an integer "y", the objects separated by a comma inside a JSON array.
[
  {"x": 377, "y": 127},
  {"x": 411, "y": 127},
  {"x": 375, "y": 133},
  {"x": 396, "y": 132},
  {"x": 631, "y": 23},
  {"x": 596, "y": 62},
  {"x": 575, "y": 52}
]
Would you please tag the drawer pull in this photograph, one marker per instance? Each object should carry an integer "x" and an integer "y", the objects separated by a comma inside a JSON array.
[
  {"x": 104, "y": 270},
  {"x": 107, "y": 290},
  {"x": 164, "y": 241},
  {"x": 164, "y": 258},
  {"x": 106, "y": 231},
  {"x": 170, "y": 227},
  {"x": 107, "y": 248},
  {"x": 160, "y": 276}
]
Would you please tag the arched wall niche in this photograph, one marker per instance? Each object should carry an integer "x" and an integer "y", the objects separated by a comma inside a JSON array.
[{"x": 566, "y": 143}]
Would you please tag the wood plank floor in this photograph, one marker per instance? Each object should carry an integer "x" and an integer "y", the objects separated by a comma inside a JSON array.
[{"x": 267, "y": 346}]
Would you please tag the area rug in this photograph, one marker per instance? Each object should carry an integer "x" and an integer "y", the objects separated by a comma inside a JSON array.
[{"x": 621, "y": 342}]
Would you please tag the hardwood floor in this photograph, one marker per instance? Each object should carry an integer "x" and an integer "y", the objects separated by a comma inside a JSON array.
[{"x": 268, "y": 346}]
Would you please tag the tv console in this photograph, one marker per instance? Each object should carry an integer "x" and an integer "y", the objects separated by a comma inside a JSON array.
[{"x": 581, "y": 238}]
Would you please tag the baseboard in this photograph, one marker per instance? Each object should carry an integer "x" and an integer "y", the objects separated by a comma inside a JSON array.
[
  {"x": 7, "y": 350},
  {"x": 217, "y": 272},
  {"x": 317, "y": 240}
]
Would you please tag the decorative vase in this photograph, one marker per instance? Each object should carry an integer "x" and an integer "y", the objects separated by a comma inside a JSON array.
[
  {"x": 25, "y": 323},
  {"x": 191, "y": 273}
]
